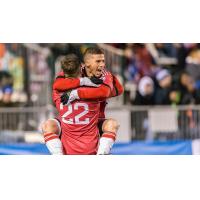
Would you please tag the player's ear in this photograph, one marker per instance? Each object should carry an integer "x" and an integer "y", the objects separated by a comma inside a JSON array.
[
  {"x": 82, "y": 65},
  {"x": 87, "y": 66}
]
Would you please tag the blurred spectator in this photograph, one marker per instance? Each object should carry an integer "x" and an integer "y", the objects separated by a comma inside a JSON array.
[
  {"x": 139, "y": 61},
  {"x": 6, "y": 87},
  {"x": 143, "y": 59},
  {"x": 145, "y": 92},
  {"x": 165, "y": 93},
  {"x": 132, "y": 74},
  {"x": 190, "y": 94},
  {"x": 193, "y": 63},
  {"x": 183, "y": 54}
]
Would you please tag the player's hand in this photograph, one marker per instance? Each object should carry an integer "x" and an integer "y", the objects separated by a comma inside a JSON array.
[
  {"x": 65, "y": 97},
  {"x": 89, "y": 82},
  {"x": 68, "y": 97}
]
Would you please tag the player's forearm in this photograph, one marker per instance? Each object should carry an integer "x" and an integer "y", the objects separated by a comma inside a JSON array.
[
  {"x": 94, "y": 93},
  {"x": 118, "y": 87},
  {"x": 62, "y": 84}
]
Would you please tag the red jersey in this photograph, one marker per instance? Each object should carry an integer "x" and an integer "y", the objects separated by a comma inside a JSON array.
[{"x": 80, "y": 134}]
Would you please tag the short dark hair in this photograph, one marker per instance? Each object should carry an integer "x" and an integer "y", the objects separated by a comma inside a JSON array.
[
  {"x": 71, "y": 65},
  {"x": 92, "y": 51}
]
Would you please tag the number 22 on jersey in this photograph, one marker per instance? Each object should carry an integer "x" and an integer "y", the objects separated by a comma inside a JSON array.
[{"x": 75, "y": 119}]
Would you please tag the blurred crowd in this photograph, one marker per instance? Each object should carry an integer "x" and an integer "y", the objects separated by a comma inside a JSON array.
[
  {"x": 11, "y": 74},
  {"x": 27, "y": 71},
  {"x": 152, "y": 74},
  {"x": 162, "y": 73}
]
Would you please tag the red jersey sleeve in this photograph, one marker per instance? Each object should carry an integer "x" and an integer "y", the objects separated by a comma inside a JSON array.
[
  {"x": 94, "y": 93},
  {"x": 118, "y": 88},
  {"x": 63, "y": 84}
]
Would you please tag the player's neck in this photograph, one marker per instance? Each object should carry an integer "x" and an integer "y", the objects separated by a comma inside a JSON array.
[{"x": 72, "y": 75}]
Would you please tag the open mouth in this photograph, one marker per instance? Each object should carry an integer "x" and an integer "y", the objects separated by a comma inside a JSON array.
[{"x": 98, "y": 72}]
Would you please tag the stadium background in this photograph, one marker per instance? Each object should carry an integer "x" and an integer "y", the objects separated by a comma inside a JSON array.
[{"x": 27, "y": 72}]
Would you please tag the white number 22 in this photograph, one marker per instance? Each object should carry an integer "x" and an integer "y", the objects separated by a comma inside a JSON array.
[{"x": 76, "y": 119}]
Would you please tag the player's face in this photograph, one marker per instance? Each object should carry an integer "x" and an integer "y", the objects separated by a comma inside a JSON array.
[{"x": 95, "y": 64}]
